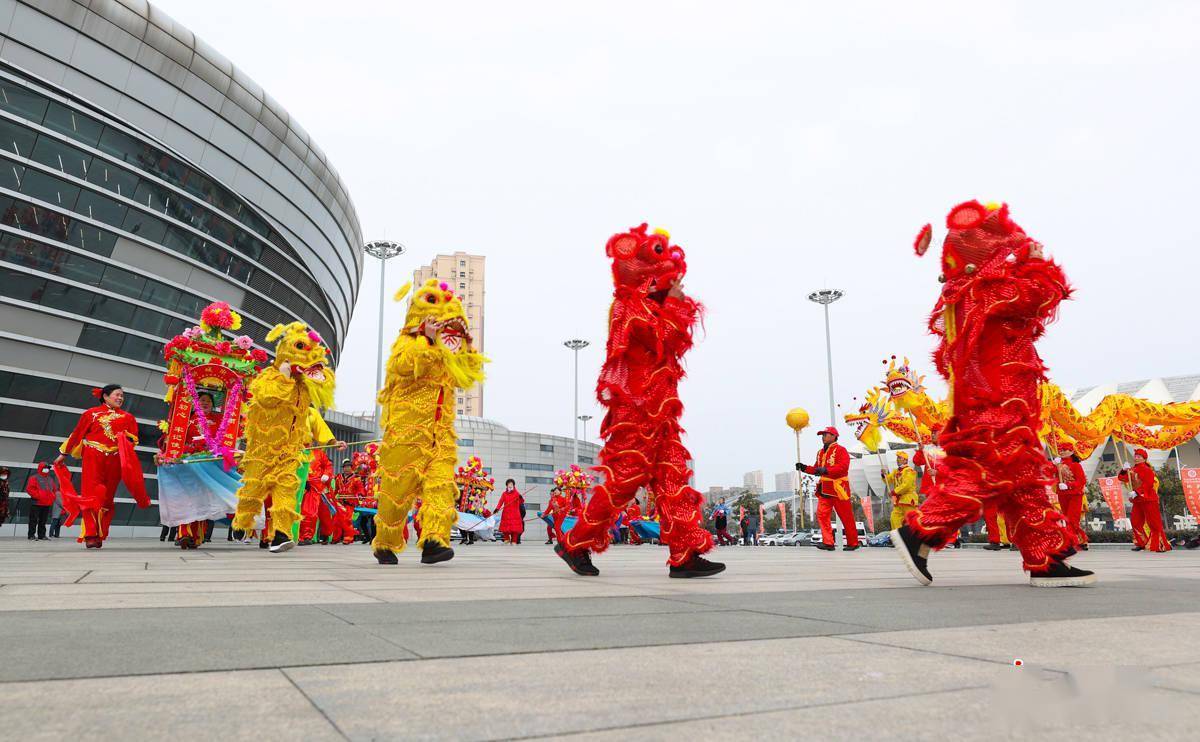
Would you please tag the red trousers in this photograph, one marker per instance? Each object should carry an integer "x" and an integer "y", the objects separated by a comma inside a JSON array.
[
  {"x": 990, "y": 517},
  {"x": 845, "y": 513},
  {"x": 1146, "y": 518},
  {"x": 643, "y": 452},
  {"x": 101, "y": 475},
  {"x": 549, "y": 532},
  {"x": 1071, "y": 504}
]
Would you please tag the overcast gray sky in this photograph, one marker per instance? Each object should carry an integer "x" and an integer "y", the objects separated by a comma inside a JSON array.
[{"x": 786, "y": 145}]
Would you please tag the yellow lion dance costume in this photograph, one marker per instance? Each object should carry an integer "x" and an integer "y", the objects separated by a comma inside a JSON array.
[
  {"x": 431, "y": 359},
  {"x": 277, "y": 429}
]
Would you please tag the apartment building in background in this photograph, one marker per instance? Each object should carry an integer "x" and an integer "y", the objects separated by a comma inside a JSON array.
[{"x": 464, "y": 274}]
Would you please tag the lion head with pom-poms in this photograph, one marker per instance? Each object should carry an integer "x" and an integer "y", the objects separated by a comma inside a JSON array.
[
  {"x": 302, "y": 348},
  {"x": 978, "y": 235},
  {"x": 646, "y": 262},
  {"x": 435, "y": 310}
]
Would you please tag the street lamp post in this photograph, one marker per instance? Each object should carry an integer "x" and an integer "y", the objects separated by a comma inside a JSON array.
[
  {"x": 576, "y": 345},
  {"x": 825, "y": 297},
  {"x": 585, "y": 419},
  {"x": 383, "y": 250}
]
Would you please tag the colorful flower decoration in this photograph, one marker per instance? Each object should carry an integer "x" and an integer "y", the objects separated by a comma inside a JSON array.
[{"x": 219, "y": 315}]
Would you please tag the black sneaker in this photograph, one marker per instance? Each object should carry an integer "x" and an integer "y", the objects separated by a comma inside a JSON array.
[
  {"x": 825, "y": 547},
  {"x": 579, "y": 562},
  {"x": 1061, "y": 574},
  {"x": 850, "y": 548},
  {"x": 549, "y": 541},
  {"x": 237, "y": 534},
  {"x": 281, "y": 543},
  {"x": 184, "y": 543},
  {"x": 914, "y": 552},
  {"x": 1138, "y": 548},
  {"x": 1083, "y": 547},
  {"x": 1193, "y": 544},
  {"x": 993, "y": 547},
  {"x": 697, "y": 566},
  {"x": 264, "y": 544},
  {"x": 433, "y": 552},
  {"x": 386, "y": 556}
]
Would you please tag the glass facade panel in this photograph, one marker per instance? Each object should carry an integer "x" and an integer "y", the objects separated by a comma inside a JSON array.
[{"x": 72, "y": 123}]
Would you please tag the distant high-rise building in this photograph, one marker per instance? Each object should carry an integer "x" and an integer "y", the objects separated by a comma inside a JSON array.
[
  {"x": 463, "y": 273},
  {"x": 753, "y": 481},
  {"x": 785, "y": 482}
]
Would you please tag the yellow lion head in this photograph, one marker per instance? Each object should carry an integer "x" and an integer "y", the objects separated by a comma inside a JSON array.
[
  {"x": 302, "y": 348},
  {"x": 436, "y": 311}
]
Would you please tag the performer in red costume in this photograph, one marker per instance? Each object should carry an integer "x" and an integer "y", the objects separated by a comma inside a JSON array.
[
  {"x": 1145, "y": 516},
  {"x": 1071, "y": 497},
  {"x": 104, "y": 438},
  {"x": 320, "y": 473},
  {"x": 191, "y": 535},
  {"x": 650, "y": 329},
  {"x": 999, "y": 292},
  {"x": 557, "y": 510},
  {"x": 512, "y": 521},
  {"x": 632, "y": 513},
  {"x": 833, "y": 467}
]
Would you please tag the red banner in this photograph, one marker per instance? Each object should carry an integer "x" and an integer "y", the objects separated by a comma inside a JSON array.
[
  {"x": 1114, "y": 495},
  {"x": 762, "y": 520},
  {"x": 783, "y": 516},
  {"x": 1190, "y": 477},
  {"x": 868, "y": 512}
]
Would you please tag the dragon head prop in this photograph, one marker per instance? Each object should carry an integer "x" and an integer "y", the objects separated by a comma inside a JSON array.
[
  {"x": 646, "y": 262},
  {"x": 434, "y": 305},
  {"x": 869, "y": 420},
  {"x": 302, "y": 348},
  {"x": 903, "y": 384},
  {"x": 978, "y": 234}
]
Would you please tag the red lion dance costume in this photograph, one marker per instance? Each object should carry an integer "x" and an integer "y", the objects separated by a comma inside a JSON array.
[
  {"x": 999, "y": 292},
  {"x": 650, "y": 328}
]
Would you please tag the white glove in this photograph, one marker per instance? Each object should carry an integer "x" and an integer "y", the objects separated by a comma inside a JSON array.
[
  {"x": 324, "y": 477},
  {"x": 1126, "y": 466},
  {"x": 1062, "y": 485},
  {"x": 285, "y": 368},
  {"x": 1057, "y": 460}
]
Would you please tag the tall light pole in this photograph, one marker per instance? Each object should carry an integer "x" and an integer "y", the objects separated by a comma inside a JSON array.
[
  {"x": 576, "y": 345},
  {"x": 825, "y": 297},
  {"x": 383, "y": 250},
  {"x": 585, "y": 419}
]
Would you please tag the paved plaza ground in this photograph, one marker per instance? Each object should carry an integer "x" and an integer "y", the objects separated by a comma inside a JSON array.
[{"x": 143, "y": 641}]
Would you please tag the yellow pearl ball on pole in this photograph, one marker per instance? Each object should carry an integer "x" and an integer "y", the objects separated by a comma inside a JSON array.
[{"x": 797, "y": 420}]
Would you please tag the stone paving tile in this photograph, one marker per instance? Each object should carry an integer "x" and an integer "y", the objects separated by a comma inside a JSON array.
[
  {"x": 226, "y": 706},
  {"x": 1140, "y": 641},
  {"x": 90, "y": 643},
  {"x": 560, "y": 693},
  {"x": 978, "y": 714}
]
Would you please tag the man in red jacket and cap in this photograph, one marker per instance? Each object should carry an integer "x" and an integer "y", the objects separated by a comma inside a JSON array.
[
  {"x": 833, "y": 467},
  {"x": 1071, "y": 497},
  {"x": 1145, "y": 515}
]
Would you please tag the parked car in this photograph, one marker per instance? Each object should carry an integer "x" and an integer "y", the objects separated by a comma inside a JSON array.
[
  {"x": 796, "y": 538},
  {"x": 838, "y": 535},
  {"x": 880, "y": 539},
  {"x": 772, "y": 539}
]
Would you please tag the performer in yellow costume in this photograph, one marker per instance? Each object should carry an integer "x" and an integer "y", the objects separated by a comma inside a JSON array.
[
  {"x": 431, "y": 359},
  {"x": 903, "y": 484},
  {"x": 278, "y": 429}
]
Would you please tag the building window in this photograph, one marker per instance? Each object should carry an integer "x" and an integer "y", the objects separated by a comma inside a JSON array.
[
  {"x": 462, "y": 263},
  {"x": 586, "y": 460},
  {"x": 521, "y": 465},
  {"x": 466, "y": 442},
  {"x": 538, "y": 480},
  {"x": 546, "y": 448}
]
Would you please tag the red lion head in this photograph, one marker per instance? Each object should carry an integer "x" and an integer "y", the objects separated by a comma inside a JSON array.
[
  {"x": 646, "y": 262},
  {"x": 977, "y": 235}
]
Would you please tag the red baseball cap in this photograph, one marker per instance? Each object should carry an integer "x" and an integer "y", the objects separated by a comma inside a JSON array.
[
  {"x": 830, "y": 430},
  {"x": 1141, "y": 452}
]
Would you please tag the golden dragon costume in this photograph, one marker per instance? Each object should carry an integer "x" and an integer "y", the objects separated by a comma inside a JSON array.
[
  {"x": 1121, "y": 416},
  {"x": 431, "y": 359},
  {"x": 277, "y": 428}
]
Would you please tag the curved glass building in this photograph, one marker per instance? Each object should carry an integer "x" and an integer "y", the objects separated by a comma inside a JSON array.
[{"x": 143, "y": 176}]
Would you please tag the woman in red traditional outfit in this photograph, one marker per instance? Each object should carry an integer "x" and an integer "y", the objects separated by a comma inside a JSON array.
[
  {"x": 1145, "y": 516},
  {"x": 1071, "y": 497},
  {"x": 512, "y": 522},
  {"x": 97, "y": 441}
]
